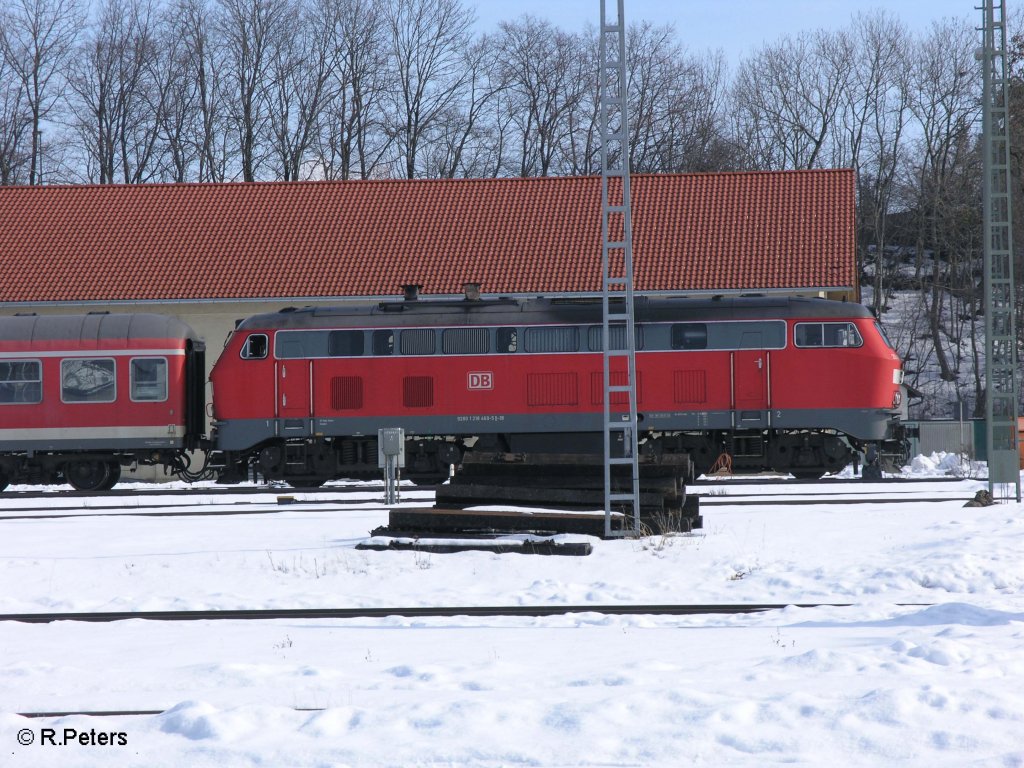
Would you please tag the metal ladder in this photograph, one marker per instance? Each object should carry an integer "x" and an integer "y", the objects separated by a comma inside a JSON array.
[
  {"x": 618, "y": 333},
  {"x": 1000, "y": 334}
]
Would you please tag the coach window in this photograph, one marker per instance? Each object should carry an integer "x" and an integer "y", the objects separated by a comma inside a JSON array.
[
  {"x": 553, "y": 338},
  {"x": 148, "y": 379},
  {"x": 417, "y": 341},
  {"x": 690, "y": 336},
  {"x": 506, "y": 340},
  {"x": 255, "y": 347},
  {"x": 345, "y": 343},
  {"x": 827, "y": 335},
  {"x": 383, "y": 342},
  {"x": 88, "y": 380},
  {"x": 465, "y": 341},
  {"x": 21, "y": 381},
  {"x": 617, "y": 333}
]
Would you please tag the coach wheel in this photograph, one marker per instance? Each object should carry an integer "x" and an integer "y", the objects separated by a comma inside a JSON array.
[
  {"x": 806, "y": 474},
  {"x": 115, "y": 474},
  {"x": 87, "y": 475},
  {"x": 306, "y": 482}
]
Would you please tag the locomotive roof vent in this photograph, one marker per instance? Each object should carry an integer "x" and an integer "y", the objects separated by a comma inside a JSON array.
[{"x": 472, "y": 291}]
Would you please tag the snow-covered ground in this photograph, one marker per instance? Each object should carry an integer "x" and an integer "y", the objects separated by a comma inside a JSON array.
[{"x": 924, "y": 668}]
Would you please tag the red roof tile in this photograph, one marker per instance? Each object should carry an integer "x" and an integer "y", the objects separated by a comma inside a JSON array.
[{"x": 733, "y": 231}]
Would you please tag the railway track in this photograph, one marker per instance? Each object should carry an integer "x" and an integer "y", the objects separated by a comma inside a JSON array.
[
  {"x": 313, "y": 614},
  {"x": 406, "y": 612}
]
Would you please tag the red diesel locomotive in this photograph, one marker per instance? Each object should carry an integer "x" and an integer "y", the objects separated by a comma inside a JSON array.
[
  {"x": 790, "y": 384},
  {"x": 83, "y": 395}
]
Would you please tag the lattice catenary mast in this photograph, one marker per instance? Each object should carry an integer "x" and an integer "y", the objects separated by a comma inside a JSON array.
[
  {"x": 621, "y": 469},
  {"x": 1000, "y": 333}
]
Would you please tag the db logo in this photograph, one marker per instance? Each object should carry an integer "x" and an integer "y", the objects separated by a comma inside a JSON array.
[{"x": 481, "y": 380}]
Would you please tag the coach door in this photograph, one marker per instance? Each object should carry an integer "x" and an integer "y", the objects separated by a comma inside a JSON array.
[
  {"x": 294, "y": 390},
  {"x": 750, "y": 382}
]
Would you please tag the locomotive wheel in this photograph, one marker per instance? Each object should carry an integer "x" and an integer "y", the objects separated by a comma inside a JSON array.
[
  {"x": 87, "y": 475},
  {"x": 437, "y": 477}
]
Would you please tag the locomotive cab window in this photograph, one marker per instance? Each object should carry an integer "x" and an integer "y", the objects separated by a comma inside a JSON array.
[
  {"x": 255, "y": 347},
  {"x": 148, "y": 379},
  {"x": 88, "y": 380},
  {"x": 21, "y": 381},
  {"x": 885, "y": 337},
  {"x": 827, "y": 335}
]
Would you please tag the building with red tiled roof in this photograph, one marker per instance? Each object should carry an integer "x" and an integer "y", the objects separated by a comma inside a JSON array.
[
  {"x": 63, "y": 246},
  {"x": 213, "y": 253}
]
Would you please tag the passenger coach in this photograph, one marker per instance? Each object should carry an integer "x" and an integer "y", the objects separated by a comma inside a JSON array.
[{"x": 82, "y": 396}]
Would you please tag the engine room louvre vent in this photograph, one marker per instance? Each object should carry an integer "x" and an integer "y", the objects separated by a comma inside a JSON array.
[
  {"x": 346, "y": 393},
  {"x": 618, "y": 379},
  {"x": 418, "y": 391},
  {"x": 689, "y": 387},
  {"x": 552, "y": 389}
]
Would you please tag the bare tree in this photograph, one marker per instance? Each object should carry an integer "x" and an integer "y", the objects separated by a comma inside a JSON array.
[
  {"x": 874, "y": 119},
  {"x": 197, "y": 103},
  {"x": 786, "y": 97},
  {"x": 300, "y": 69},
  {"x": 351, "y": 139},
  {"x": 944, "y": 101},
  {"x": 118, "y": 105},
  {"x": 458, "y": 146},
  {"x": 547, "y": 72},
  {"x": 15, "y": 124},
  {"x": 37, "y": 39},
  {"x": 248, "y": 31},
  {"x": 427, "y": 39}
]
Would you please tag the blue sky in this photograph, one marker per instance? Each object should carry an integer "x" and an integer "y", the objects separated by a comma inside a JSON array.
[{"x": 735, "y": 26}]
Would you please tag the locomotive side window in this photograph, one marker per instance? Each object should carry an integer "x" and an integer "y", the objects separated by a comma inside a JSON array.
[
  {"x": 617, "y": 333},
  {"x": 417, "y": 341},
  {"x": 507, "y": 340},
  {"x": 21, "y": 381},
  {"x": 345, "y": 343},
  {"x": 383, "y": 342},
  {"x": 255, "y": 347},
  {"x": 827, "y": 335},
  {"x": 148, "y": 379},
  {"x": 690, "y": 336},
  {"x": 564, "y": 338},
  {"x": 465, "y": 341},
  {"x": 84, "y": 380}
]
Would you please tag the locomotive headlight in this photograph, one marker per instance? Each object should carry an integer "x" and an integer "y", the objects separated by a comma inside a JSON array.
[{"x": 897, "y": 398}]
